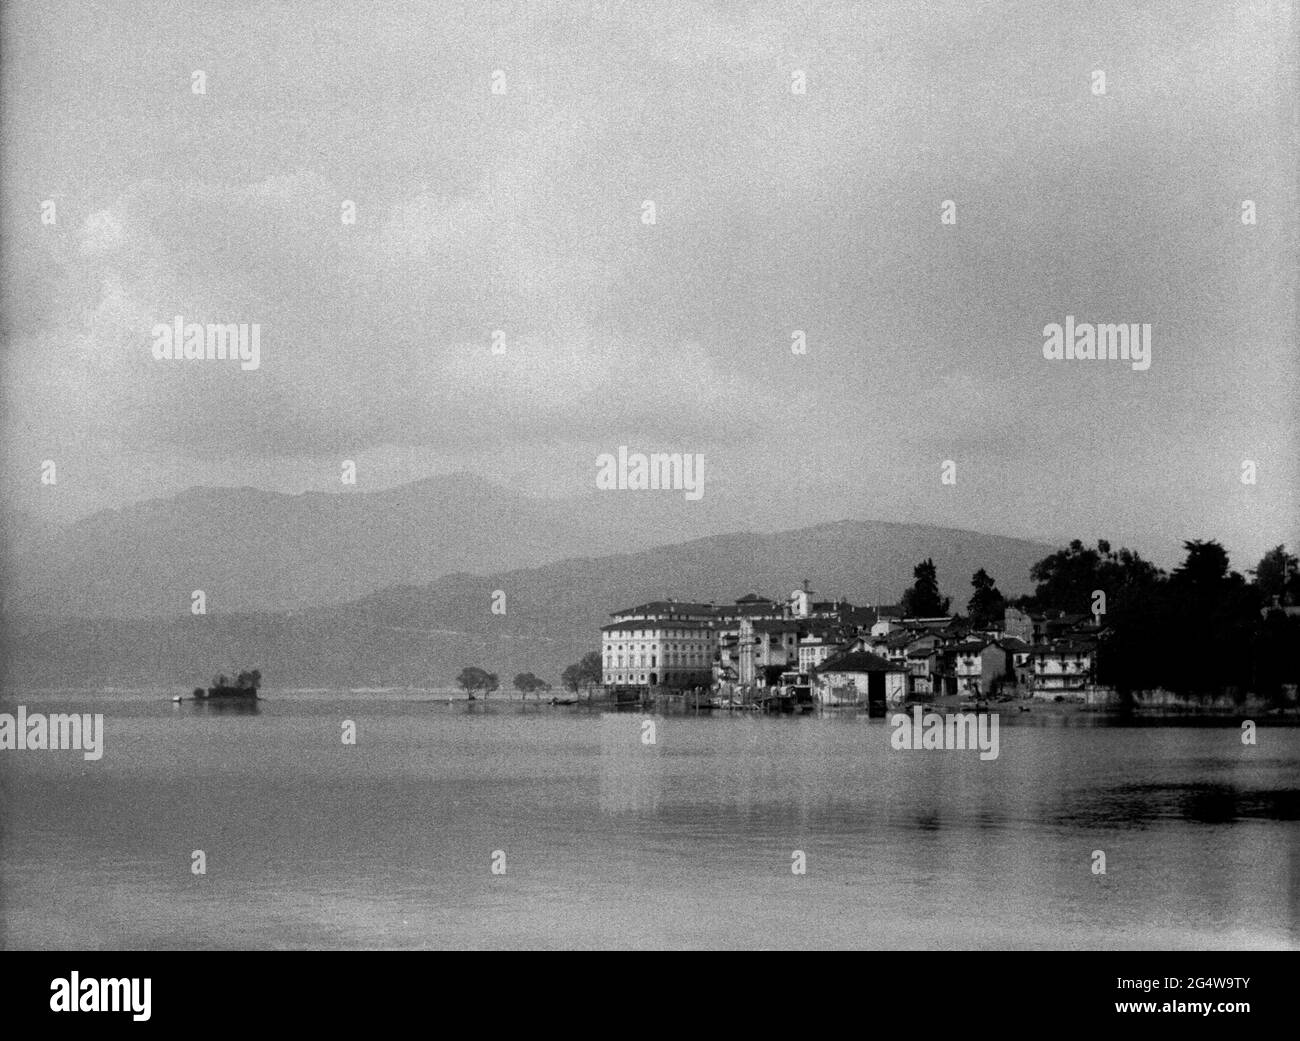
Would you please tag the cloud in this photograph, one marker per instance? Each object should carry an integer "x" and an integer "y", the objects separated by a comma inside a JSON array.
[
  {"x": 362, "y": 329},
  {"x": 520, "y": 213}
]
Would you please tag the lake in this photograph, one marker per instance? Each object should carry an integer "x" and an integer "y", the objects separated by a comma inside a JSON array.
[{"x": 606, "y": 840}]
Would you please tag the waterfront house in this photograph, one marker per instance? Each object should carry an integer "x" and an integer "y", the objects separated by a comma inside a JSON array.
[
  {"x": 923, "y": 672},
  {"x": 968, "y": 667},
  {"x": 981, "y": 665},
  {"x": 862, "y": 678},
  {"x": 1062, "y": 668}
]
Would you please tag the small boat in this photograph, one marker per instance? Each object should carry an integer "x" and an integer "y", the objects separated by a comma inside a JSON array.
[{"x": 564, "y": 701}]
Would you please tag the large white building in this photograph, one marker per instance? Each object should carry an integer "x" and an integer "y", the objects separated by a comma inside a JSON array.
[{"x": 666, "y": 643}]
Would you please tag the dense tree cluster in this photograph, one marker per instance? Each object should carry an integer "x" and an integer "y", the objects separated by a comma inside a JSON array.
[{"x": 1202, "y": 629}]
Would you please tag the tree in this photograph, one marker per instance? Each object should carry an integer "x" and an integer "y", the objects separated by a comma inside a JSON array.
[
  {"x": 1204, "y": 571},
  {"x": 473, "y": 678},
  {"x": 1198, "y": 631},
  {"x": 987, "y": 605},
  {"x": 1277, "y": 577},
  {"x": 592, "y": 668},
  {"x": 922, "y": 600},
  {"x": 1067, "y": 579},
  {"x": 1211, "y": 618},
  {"x": 586, "y": 673},
  {"x": 526, "y": 683},
  {"x": 571, "y": 677},
  {"x": 1276, "y": 654}
]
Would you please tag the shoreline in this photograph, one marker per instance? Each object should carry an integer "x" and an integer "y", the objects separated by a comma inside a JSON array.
[{"x": 1016, "y": 707}]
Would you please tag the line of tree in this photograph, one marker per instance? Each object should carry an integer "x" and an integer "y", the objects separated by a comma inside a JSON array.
[
  {"x": 473, "y": 680},
  {"x": 581, "y": 675}
]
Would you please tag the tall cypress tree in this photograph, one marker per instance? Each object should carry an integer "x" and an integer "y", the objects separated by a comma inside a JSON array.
[{"x": 923, "y": 600}]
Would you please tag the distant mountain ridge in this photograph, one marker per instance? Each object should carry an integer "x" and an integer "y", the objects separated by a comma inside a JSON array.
[
  {"x": 252, "y": 550},
  {"x": 422, "y": 634}
]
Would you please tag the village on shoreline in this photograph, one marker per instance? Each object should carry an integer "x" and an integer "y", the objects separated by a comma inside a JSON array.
[{"x": 800, "y": 652}]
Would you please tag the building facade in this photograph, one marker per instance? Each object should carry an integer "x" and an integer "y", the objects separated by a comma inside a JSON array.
[{"x": 661, "y": 644}]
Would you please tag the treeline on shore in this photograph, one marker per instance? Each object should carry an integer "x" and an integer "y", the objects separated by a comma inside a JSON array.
[
  {"x": 1202, "y": 629},
  {"x": 585, "y": 673}
]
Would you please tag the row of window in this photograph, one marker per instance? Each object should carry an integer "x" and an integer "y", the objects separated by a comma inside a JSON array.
[
  {"x": 661, "y": 634},
  {"x": 641, "y": 677},
  {"x": 671, "y": 662},
  {"x": 659, "y": 642}
]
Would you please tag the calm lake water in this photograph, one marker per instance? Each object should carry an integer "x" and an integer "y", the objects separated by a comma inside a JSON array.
[{"x": 610, "y": 842}]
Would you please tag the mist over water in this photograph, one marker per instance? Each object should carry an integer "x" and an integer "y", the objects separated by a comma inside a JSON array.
[{"x": 610, "y": 842}]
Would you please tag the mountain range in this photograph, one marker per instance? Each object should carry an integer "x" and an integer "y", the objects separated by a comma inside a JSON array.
[{"x": 396, "y": 588}]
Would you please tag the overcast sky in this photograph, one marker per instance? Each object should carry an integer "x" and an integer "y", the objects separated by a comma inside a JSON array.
[{"x": 774, "y": 212}]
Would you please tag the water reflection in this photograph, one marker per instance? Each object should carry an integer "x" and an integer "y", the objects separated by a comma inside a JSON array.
[
  {"x": 681, "y": 834},
  {"x": 222, "y": 706},
  {"x": 630, "y": 775}
]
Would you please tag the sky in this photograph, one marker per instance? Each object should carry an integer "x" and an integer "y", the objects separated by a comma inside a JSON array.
[{"x": 774, "y": 211}]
